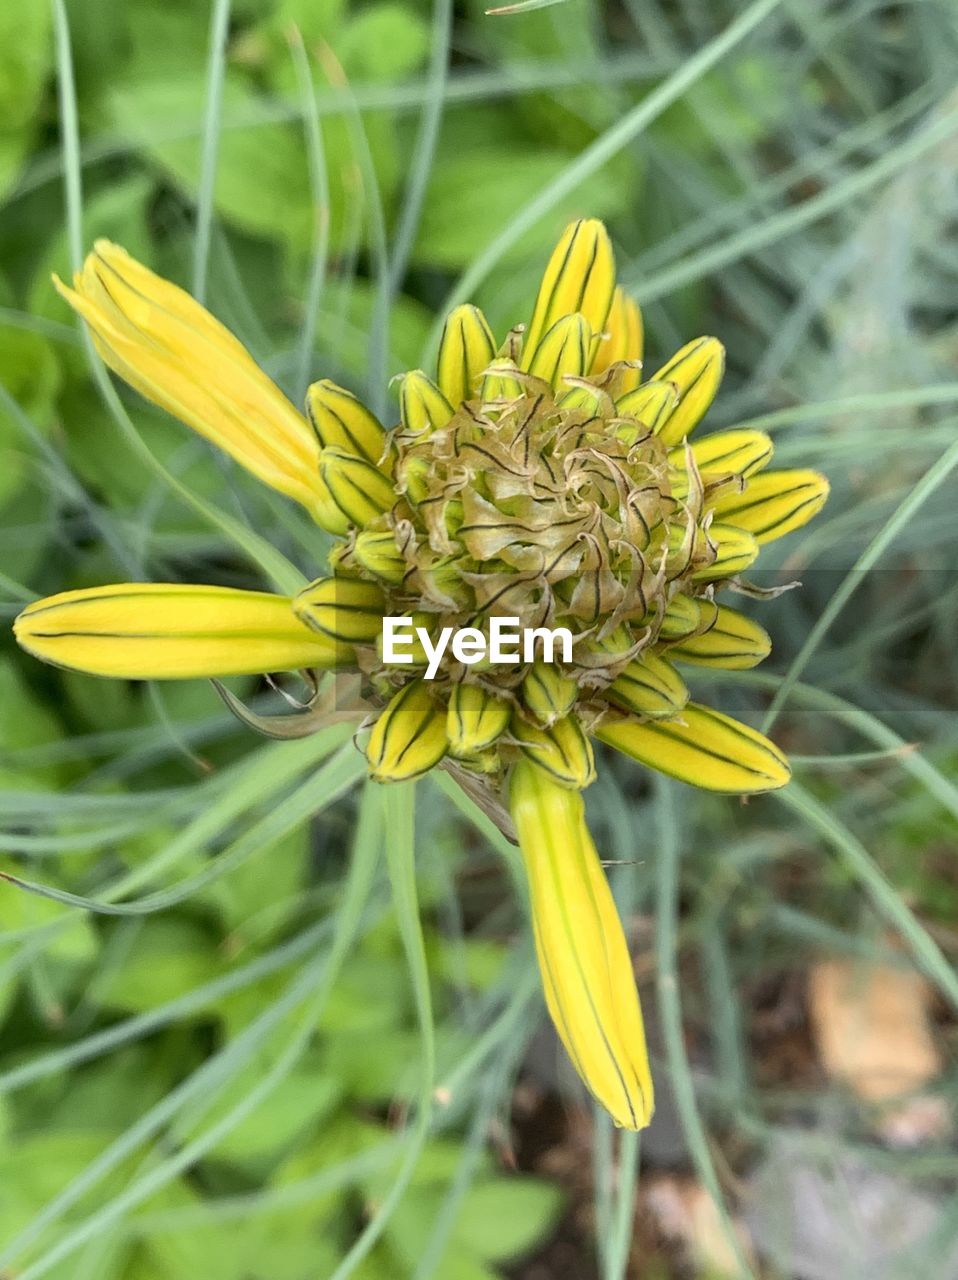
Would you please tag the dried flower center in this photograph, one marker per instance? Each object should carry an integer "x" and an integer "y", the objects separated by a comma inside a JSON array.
[{"x": 558, "y": 513}]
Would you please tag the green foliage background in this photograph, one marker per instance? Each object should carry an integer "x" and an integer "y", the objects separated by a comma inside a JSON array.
[{"x": 222, "y": 1032}]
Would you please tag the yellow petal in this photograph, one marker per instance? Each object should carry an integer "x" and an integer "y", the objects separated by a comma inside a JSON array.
[
  {"x": 650, "y": 406},
  {"x": 171, "y": 350},
  {"x": 565, "y": 351},
  {"x": 475, "y": 719},
  {"x": 379, "y": 555},
  {"x": 623, "y": 340},
  {"x": 733, "y": 643},
  {"x": 741, "y": 452},
  {"x": 547, "y": 694},
  {"x": 563, "y": 750},
  {"x": 580, "y": 277},
  {"x": 409, "y": 737},
  {"x": 357, "y": 489},
  {"x": 774, "y": 503},
  {"x": 735, "y": 550},
  {"x": 341, "y": 420},
  {"x": 682, "y": 617},
  {"x": 584, "y": 960},
  {"x": 649, "y": 686},
  {"x": 422, "y": 406},
  {"x": 466, "y": 349},
  {"x": 696, "y": 372},
  {"x": 346, "y": 610},
  {"x": 704, "y": 747},
  {"x": 154, "y": 631}
]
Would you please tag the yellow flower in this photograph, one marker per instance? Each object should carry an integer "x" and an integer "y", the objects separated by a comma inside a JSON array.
[{"x": 541, "y": 479}]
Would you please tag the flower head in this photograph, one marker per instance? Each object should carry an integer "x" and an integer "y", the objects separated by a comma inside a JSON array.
[{"x": 541, "y": 478}]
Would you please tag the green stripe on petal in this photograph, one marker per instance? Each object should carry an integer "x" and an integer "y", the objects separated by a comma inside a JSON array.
[
  {"x": 466, "y": 350},
  {"x": 564, "y": 352},
  {"x": 774, "y": 503},
  {"x": 587, "y": 972},
  {"x": 741, "y": 452},
  {"x": 475, "y": 719},
  {"x": 651, "y": 406},
  {"x": 409, "y": 737},
  {"x": 344, "y": 609},
  {"x": 379, "y": 555},
  {"x": 696, "y": 372},
  {"x": 563, "y": 750},
  {"x": 733, "y": 643},
  {"x": 422, "y": 406},
  {"x": 580, "y": 277},
  {"x": 650, "y": 687},
  {"x": 343, "y": 422},
  {"x": 547, "y": 694},
  {"x": 155, "y": 631},
  {"x": 704, "y": 748},
  {"x": 357, "y": 488},
  {"x": 735, "y": 550},
  {"x": 622, "y": 340}
]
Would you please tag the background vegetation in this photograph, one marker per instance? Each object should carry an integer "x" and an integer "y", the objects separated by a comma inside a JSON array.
[{"x": 230, "y": 1053}]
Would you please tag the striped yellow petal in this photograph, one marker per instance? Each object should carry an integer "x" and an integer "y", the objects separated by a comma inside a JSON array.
[
  {"x": 171, "y": 350},
  {"x": 650, "y": 406},
  {"x": 705, "y": 747},
  {"x": 475, "y": 719},
  {"x": 563, "y": 750},
  {"x": 774, "y": 503},
  {"x": 650, "y": 687},
  {"x": 580, "y": 277},
  {"x": 547, "y": 694},
  {"x": 347, "y": 610},
  {"x": 682, "y": 617},
  {"x": 358, "y": 490},
  {"x": 735, "y": 550},
  {"x": 466, "y": 349},
  {"x": 342, "y": 421},
  {"x": 696, "y": 371},
  {"x": 379, "y": 555},
  {"x": 422, "y": 406},
  {"x": 409, "y": 737},
  {"x": 623, "y": 340},
  {"x": 733, "y": 643},
  {"x": 500, "y": 381},
  {"x": 564, "y": 351},
  {"x": 587, "y": 972},
  {"x": 155, "y": 631},
  {"x": 741, "y": 452}
]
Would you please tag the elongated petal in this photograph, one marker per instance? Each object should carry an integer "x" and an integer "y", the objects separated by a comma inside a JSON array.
[
  {"x": 341, "y": 420},
  {"x": 466, "y": 349},
  {"x": 735, "y": 550},
  {"x": 422, "y": 406},
  {"x": 741, "y": 452},
  {"x": 650, "y": 406},
  {"x": 584, "y": 960},
  {"x": 623, "y": 340},
  {"x": 409, "y": 737},
  {"x": 547, "y": 694},
  {"x": 155, "y": 631},
  {"x": 705, "y": 747},
  {"x": 774, "y": 503},
  {"x": 563, "y": 750},
  {"x": 347, "y": 610},
  {"x": 171, "y": 350},
  {"x": 357, "y": 489},
  {"x": 696, "y": 371},
  {"x": 649, "y": 686},
  {"x": 564, "y": 351},
  {"x": 379, "y": 555},
  {"x": 475, "y": 719},
  {"x": 580, "y": 277},
  {"x": 733, "y": 643}
]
